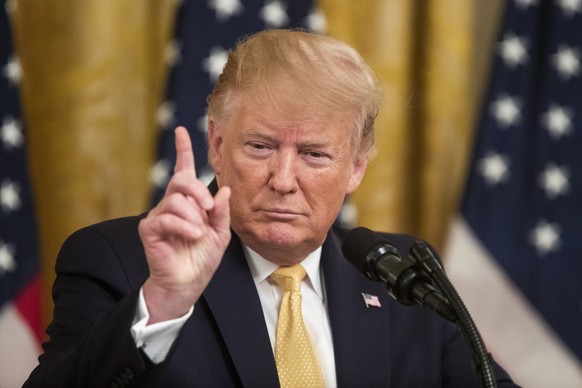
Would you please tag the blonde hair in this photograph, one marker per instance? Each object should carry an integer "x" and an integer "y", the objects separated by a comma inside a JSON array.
[{"x": 319, "y": 75}]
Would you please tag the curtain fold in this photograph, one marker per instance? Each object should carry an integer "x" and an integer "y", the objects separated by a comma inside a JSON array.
[
  {"x": 430, "y": 61},
  {"x": 92, "y": 75}
]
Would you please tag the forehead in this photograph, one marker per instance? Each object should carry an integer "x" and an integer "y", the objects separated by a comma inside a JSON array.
[{"x": 294, "y": 121}]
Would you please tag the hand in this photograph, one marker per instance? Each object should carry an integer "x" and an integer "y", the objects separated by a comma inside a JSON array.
[{"x": 184, "y": 238}]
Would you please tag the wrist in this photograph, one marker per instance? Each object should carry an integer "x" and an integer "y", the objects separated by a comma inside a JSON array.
[{"x": 165, "y": 303}]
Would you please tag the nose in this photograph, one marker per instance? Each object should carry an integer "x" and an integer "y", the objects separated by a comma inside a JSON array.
[{"x": 283, "y": 174}]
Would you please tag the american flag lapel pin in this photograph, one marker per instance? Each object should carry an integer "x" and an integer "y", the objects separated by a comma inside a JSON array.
[{"x": 371, "y": 300}]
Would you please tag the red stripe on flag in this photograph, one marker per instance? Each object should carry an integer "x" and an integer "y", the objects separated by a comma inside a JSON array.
[{"x": 27, "y": 303}]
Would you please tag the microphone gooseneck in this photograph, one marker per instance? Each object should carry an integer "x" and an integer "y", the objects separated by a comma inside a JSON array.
[{"x": 483, "y": 361}]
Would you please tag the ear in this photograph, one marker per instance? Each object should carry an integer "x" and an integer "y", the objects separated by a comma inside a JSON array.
[
  {"x": 214, "y": 146},
  {"x": 358, "y": 169}
]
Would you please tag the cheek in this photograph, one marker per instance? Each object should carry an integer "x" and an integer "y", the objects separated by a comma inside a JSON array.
[
  {"x": 244, "y": 178},
  {"x": 328, "y": 195}
]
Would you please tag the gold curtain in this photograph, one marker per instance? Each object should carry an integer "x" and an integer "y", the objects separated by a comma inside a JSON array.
[
  {"x": 429, "y": 56},
  {"x": 91, "y": 83}
]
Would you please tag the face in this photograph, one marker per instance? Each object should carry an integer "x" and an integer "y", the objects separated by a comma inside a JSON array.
[{"x": 288, "y": 178}]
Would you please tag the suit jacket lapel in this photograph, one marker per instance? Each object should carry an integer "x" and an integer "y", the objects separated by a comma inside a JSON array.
[
  {"x": 360, "y": 334},
  {"x": 232, "y": 293}
]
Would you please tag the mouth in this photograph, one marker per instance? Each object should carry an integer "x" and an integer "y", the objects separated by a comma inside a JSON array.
[{"x": 281, "y": 214}]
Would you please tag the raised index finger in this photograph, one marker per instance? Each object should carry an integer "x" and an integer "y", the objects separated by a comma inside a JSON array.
[{"x": 184, "y": 153}]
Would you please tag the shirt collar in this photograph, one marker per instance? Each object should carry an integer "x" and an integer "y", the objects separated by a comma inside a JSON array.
[{"x": 262, "y": 268}]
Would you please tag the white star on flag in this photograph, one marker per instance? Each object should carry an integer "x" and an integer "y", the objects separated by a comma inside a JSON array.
[
  {"x": 558, "y": 121},
  {"x": 506, "y": 110},
  {"x": 11, "y": 133},
  {"x": 274, "y": 13},
  {"x": 7, "y": 262},
  {"x": 567, "y": 62},
  {"x": 166, "y": 114},
  {"x": 225, "y": 9},
  {"x": 570, "y": 7},
  {"x": 348, "y": 214},
  {"x": 10, "y": 6},
  {"x": 494, "y": 168},
  {"x": 12, "y": 70},
  {"x": 160, "y": 174},
  {"x": 524, "y": 4},
  {"x": 9, "y": 196},
  {"x": 206, "y": 175},
  {"x": 545, "y": 237},
  {"x": 316, "y": 21},
  {"x": 554, "y": 180},
  {"x": 513, "y": 50},
  {"x": 214, "y": 63},
  {"x": 203, "y": 124},
  {"x": 173, "y": 52}
]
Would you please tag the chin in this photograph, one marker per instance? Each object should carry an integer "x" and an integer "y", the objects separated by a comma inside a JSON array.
[{"x": 281, "y": 238}]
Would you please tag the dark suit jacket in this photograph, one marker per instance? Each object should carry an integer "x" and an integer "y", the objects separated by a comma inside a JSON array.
[{"x": 225, "y": 342}]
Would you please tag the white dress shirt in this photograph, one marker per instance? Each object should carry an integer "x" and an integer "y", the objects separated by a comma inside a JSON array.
[
  {"x": 314, "y": 306},
  {"x": 157, "y": 339}
]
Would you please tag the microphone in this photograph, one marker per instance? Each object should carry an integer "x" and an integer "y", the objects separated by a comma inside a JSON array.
[{"x": 407, "y": 282}]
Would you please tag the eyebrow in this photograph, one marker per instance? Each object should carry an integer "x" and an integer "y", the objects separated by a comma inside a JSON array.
[
  {"x": 254, "y": 132},
  {"x": 267, "y": 135}
]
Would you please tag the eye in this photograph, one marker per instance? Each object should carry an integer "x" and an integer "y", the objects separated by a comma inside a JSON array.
[
  {"x": 316, "y": 158},
  {"x": 258, "y": 146},
  {"x": 315, "y": 154},
  {"x": 258, "y": 149}
]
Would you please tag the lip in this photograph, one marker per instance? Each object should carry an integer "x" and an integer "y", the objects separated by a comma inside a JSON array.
[{"x": 281, "y": 214}]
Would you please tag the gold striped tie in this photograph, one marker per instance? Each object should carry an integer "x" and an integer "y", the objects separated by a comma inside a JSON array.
[{"x": 297, "y": 363}]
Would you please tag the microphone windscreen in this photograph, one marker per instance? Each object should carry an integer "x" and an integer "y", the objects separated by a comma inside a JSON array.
[{"x": 358, "y": 243}]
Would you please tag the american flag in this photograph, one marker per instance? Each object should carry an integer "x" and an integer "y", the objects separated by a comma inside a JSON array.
[
  {"x": 205, "y": 31},
  {"x": 371, "y": 300},
  {"x": 523, "y": 200},
  {"x": 20, "y": 316}
]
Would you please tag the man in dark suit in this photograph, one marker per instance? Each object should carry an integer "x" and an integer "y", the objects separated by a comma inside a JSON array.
[{"x": 185, "y": 296}]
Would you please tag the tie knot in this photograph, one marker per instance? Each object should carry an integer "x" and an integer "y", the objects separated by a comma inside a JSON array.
[{"x": 289, "y": 278}]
